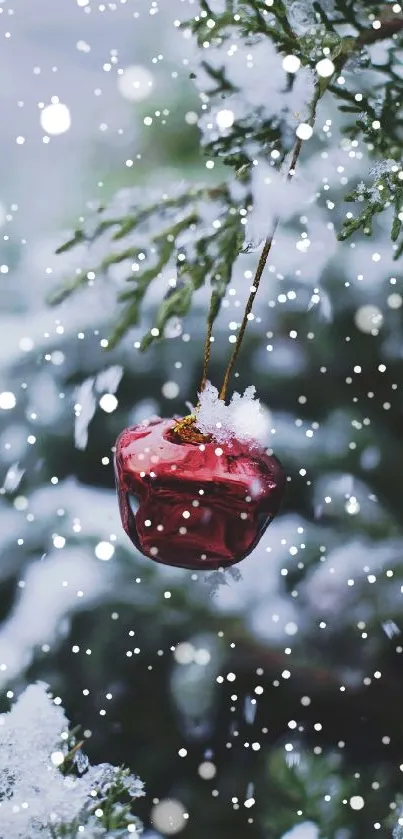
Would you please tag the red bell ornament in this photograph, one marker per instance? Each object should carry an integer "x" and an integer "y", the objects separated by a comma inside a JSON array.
[{"x": 190, "y": 501}]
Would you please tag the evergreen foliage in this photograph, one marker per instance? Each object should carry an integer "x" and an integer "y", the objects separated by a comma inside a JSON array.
[
  {"x": 314, "y": 731},
  {"x": 200, "y": 230}
]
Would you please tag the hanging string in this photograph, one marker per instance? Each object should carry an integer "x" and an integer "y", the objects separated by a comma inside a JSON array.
[
  {"x": 389, "y": 28},
  {"x": 256, "y": 281},
  {"x": 208, "y": 341}
]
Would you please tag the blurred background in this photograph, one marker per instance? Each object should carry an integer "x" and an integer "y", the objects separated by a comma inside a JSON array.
[{"x": 268, "y": 698}]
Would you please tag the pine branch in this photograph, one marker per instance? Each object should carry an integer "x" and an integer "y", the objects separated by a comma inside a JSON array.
[
  {"x": 98, "y": 799},
  {"x": 385, "y": 192},
  {"x": 177, "y": 235}
]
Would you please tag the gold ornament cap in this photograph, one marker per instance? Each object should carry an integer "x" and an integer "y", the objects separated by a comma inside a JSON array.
[{"x": 188, "y": 432}]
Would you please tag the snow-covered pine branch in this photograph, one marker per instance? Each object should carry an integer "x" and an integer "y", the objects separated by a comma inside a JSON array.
[
  {"x": 261, "y": 68},
  {"x": 48, "y": 789}
]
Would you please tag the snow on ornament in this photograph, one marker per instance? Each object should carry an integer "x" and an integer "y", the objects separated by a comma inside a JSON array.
[{"x": 199, "y": 492}]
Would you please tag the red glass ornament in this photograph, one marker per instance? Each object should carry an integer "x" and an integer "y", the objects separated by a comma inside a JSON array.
[{"x": 193, "y": 504}]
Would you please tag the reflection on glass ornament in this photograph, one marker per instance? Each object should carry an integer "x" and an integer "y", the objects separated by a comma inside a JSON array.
[{"x": 201, "y": 504}]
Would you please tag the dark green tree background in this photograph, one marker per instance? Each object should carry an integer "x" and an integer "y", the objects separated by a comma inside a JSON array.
[{"x": 285, "y": 673}]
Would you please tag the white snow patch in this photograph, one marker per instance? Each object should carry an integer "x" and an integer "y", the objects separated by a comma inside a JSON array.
[
  {"x": 108, "y": 380},
  {"x": 85, "y": 407},
  {"x": 305, "y": 830},
  {"x": 259, "y": 78},
  {"x": 13, "y": 477},
  {"x": 243, "y": 419},
  {"x": 325, "y": 308},
  {"x": 36, "y": 799},
  {"x": 85, "y": 402},
  {"x": 41, "y": 614},
  {"x": 273, "y": 197},
  {"x": 326, "y": 590}
]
